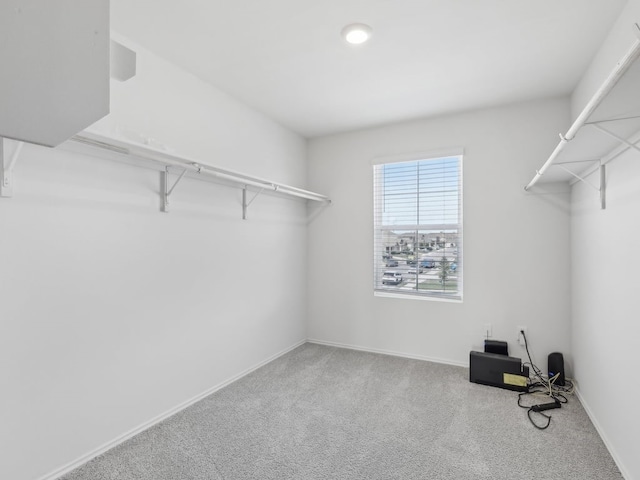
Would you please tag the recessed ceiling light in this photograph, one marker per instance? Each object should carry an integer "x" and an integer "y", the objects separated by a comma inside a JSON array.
[{"x": 356, "y": 33}]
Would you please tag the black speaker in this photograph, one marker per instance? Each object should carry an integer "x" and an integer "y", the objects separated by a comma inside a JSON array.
[{"x": 556, "y": 366}]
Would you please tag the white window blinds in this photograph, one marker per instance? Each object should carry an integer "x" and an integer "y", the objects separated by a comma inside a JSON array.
[{"x": 418, "y": 227}]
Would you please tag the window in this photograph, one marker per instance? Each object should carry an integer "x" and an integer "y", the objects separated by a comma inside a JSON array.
[{"x": 418, "y": 227}]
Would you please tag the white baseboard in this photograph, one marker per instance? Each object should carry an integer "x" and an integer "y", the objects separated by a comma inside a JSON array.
[
  {"x": 141, "y": 428},
  {"x": 389, "y": 352},
  {"x": 625, "y": 473}
]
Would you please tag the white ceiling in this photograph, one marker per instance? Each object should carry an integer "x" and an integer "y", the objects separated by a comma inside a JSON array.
[{"x": 287, "y": 59}]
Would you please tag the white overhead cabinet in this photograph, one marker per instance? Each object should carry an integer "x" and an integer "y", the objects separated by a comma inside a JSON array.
[{"x": 54, "y": 68}]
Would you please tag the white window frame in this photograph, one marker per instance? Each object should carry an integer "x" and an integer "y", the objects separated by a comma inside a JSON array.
[{"x": 414, "y": 291}]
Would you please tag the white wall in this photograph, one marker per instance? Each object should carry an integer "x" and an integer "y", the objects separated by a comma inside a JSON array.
[
  {"x": 605, "y": 257},
  {"x": 618, "y": 42},
  {"x": 516, "y": 245},
  {"x": 112, "y": 313}
]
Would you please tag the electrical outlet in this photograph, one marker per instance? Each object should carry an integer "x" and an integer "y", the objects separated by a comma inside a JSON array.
[
  {"x": 488, "y": 330},
  {"x": 521, "y": 341}
]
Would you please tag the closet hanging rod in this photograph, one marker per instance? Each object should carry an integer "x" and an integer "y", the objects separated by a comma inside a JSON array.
[
  {"x": 611, "y": 81},
  {"x": 149, "y": 153}
]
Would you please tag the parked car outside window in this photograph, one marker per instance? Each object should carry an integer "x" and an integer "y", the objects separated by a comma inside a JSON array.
[{"x": 391, "y": 278}]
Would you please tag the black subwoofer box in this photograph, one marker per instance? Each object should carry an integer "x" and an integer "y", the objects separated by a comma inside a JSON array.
[{"x": 556, "y": 366}]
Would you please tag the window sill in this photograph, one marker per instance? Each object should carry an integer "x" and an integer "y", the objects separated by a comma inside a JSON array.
[{"x": 379, "y": 293}]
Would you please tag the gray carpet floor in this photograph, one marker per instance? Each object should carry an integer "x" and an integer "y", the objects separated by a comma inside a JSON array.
[{"x": 327, "y": 413}]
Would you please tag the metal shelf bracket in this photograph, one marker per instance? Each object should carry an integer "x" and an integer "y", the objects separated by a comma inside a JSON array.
[
  {"x": 602, "y": 188},
  {"x": 166, "y": 191},
  {"x": 6, "y": 166},
  {"x": 245, "y": 204}
]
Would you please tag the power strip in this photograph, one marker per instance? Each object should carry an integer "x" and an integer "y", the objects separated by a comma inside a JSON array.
[{"x": 546, "y": 406}]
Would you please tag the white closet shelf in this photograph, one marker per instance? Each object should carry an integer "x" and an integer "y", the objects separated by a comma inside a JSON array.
[
  {"x": 183, "y": 165},
  {"x": 608, "y": 126}
]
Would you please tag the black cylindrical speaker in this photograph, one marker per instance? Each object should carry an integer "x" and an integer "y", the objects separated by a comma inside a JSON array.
[{"x": 556, "y": 366}]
